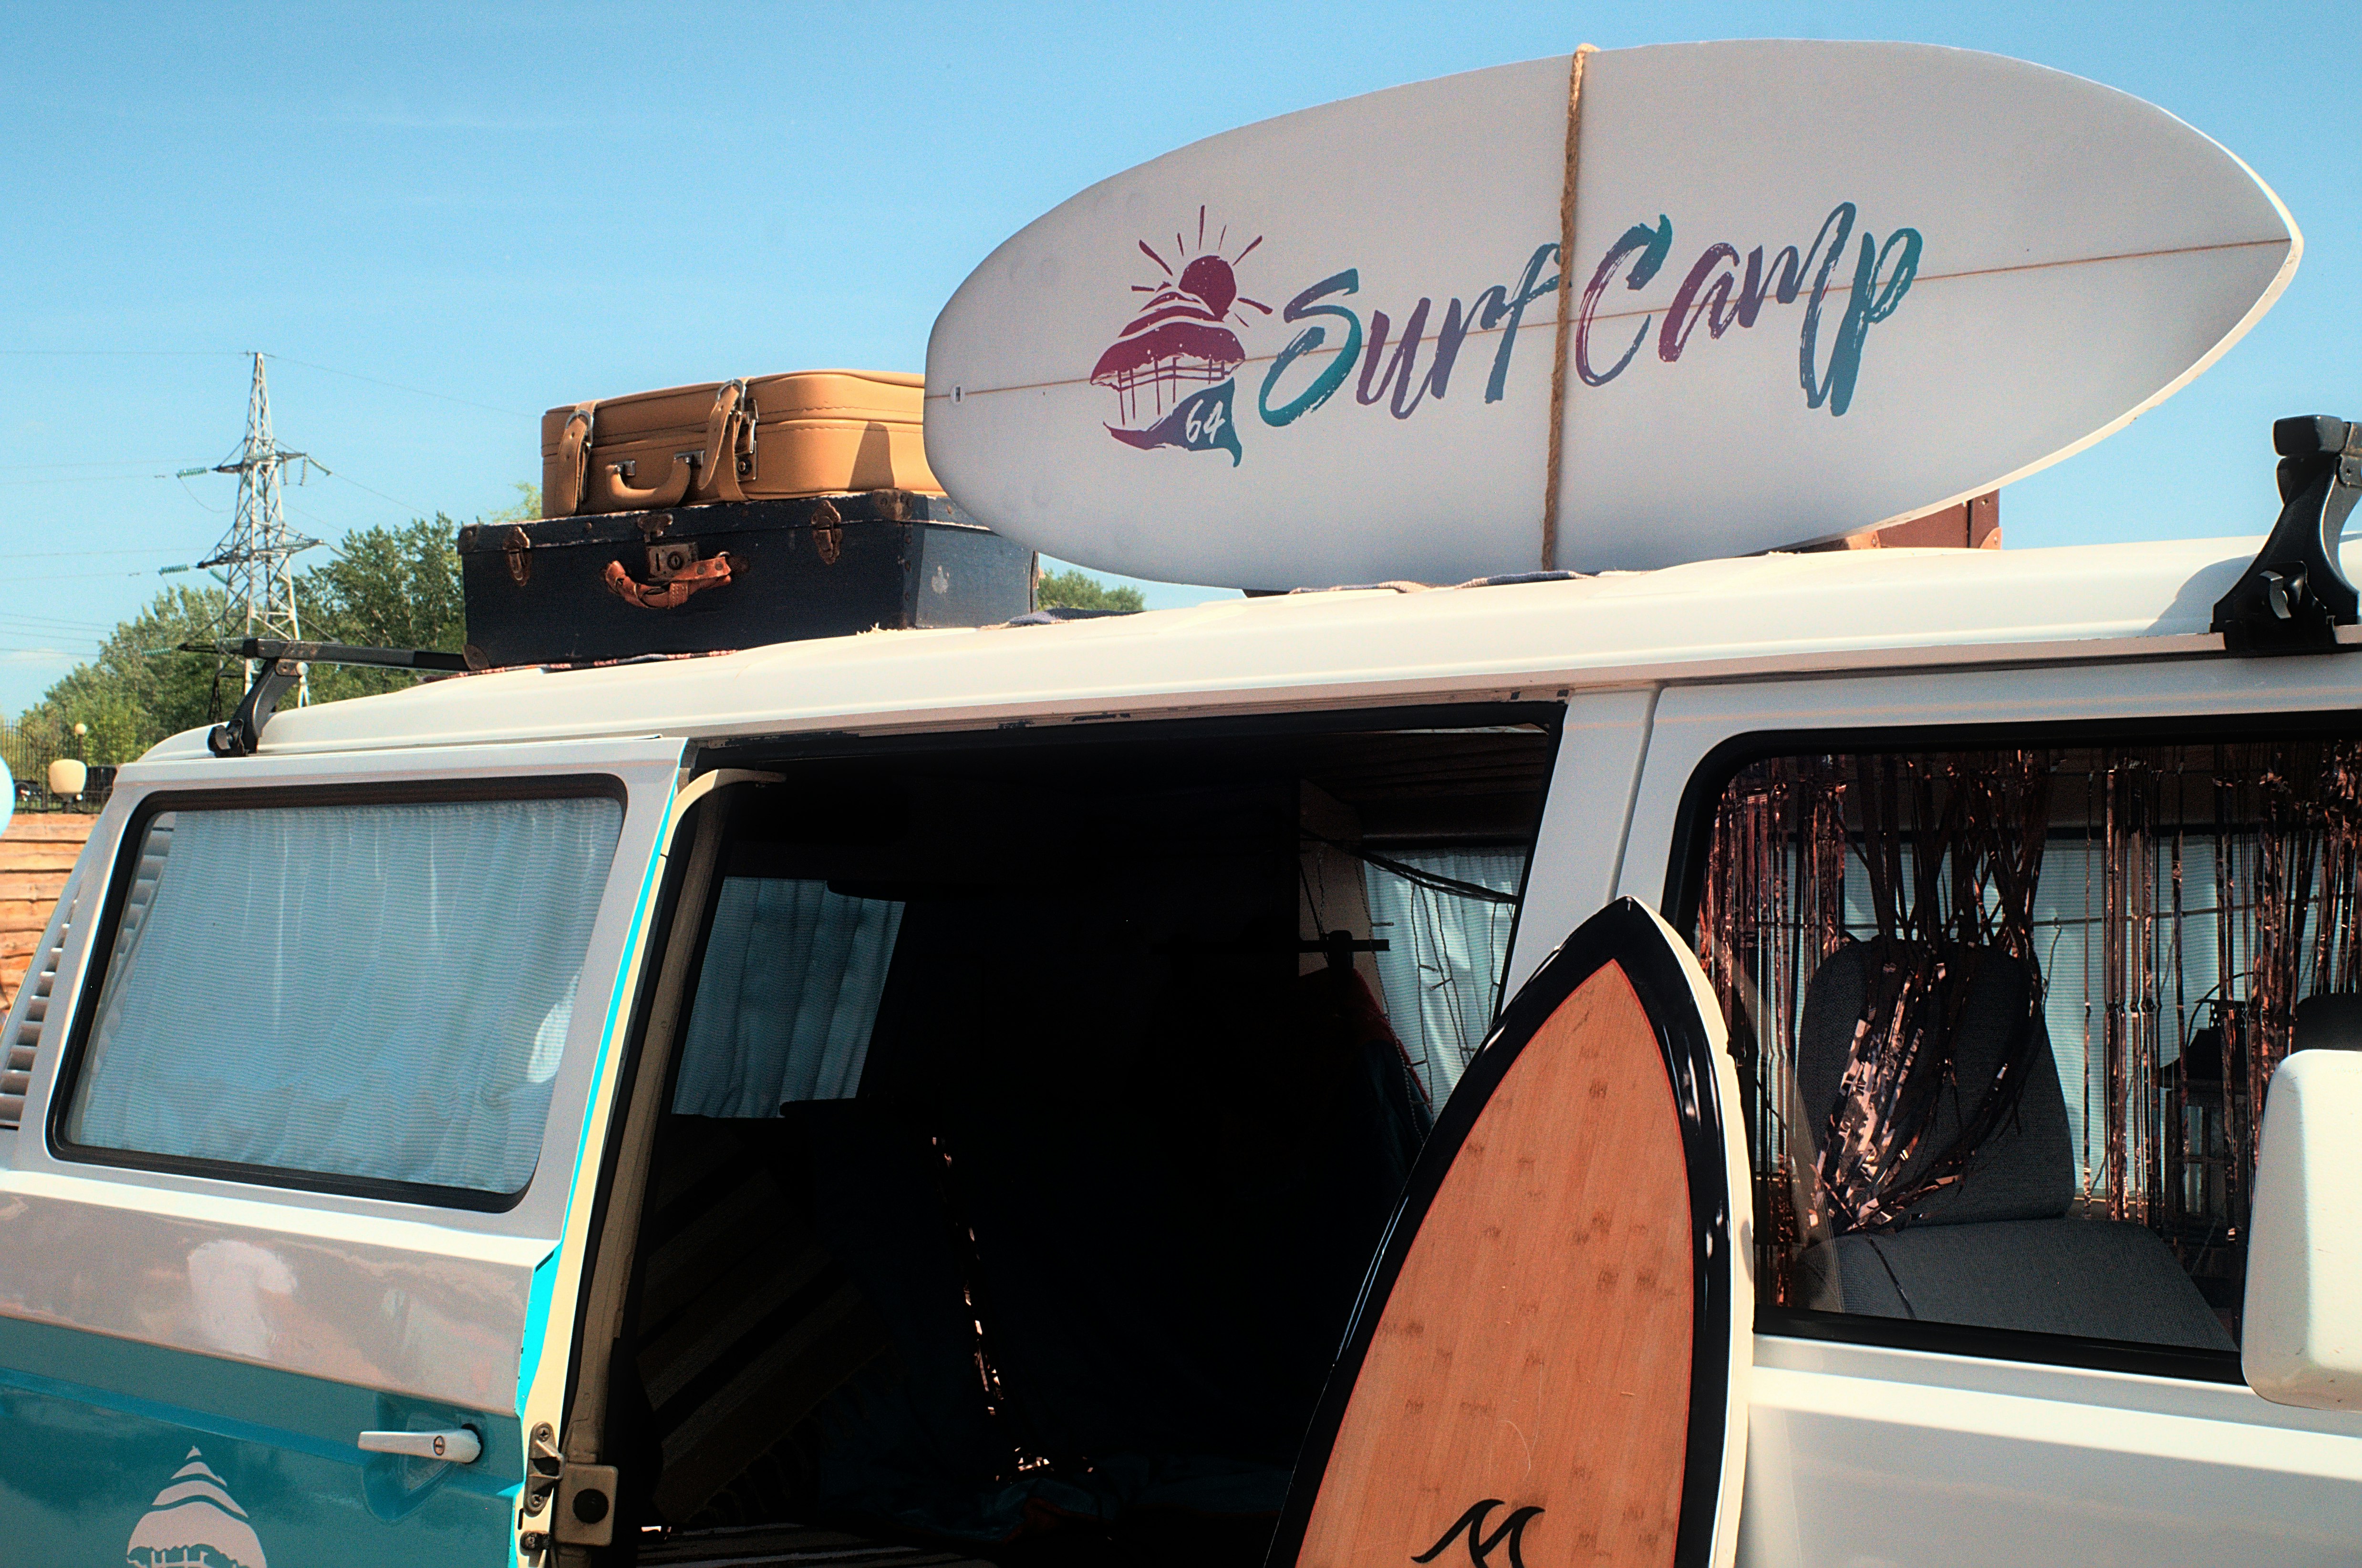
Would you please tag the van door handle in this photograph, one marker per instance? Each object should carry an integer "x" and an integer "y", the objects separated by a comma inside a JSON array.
[{"x": 459, "y": 1445}]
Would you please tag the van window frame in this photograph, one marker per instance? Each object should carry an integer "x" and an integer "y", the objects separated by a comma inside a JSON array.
[
  {"x": 1683, "y": 892},
  {"x": 571, "y": 785}
]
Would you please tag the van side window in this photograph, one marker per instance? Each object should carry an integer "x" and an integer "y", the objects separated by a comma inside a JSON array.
[
  {"x": 1450, "y": 913},
  {"x": 2006, "y": 1018},
  {"x": 786, "y": 998},
  {"x": 370, "y": 994}
]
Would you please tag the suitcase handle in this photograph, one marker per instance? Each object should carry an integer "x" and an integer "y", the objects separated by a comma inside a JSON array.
[
  {"x": 673, "y": 594},
  {"x": 656, "y": 496}
]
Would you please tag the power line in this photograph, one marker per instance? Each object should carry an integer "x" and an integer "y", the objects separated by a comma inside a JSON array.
[
  {"x": 71, "y": 621},
  {"x": 100, "y": 463},
  {"x": 422, "y": 392},
  {"x": 46, "y": 625},
  {"x": 191, "y": 494},
  {"x": 82, "y": 478},
  {"x": 414, "y": 510},
  {"x": 68, "y": 554},
  {"x": 283, "y": 359},
  {"x": 121, "y": 353}
]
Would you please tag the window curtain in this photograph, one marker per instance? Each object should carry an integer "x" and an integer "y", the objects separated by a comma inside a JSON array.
[
  {"x": 1445, "y": 953},
  {"x": 2289, "y": 859},
  {"x": 786, "y": 998},
  {"x": 379, "y": 992}
]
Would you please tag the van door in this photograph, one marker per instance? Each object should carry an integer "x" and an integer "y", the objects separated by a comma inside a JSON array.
[
  {"x": 289, "y": 1209},
  {"x": 1550, "y": 1350},
  {"x": 2001, "y": 1227}
]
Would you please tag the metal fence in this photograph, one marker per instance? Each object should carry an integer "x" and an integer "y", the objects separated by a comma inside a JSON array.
[{"x": 29, "y": 750}]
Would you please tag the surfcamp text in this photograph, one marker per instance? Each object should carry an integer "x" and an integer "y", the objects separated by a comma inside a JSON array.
[{"x": 1716, "y": 291}]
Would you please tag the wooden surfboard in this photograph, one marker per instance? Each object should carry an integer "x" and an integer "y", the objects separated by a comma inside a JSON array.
[
  {"x": 1816, "y": 288},
  {"x": 1548, "y": 1361}
]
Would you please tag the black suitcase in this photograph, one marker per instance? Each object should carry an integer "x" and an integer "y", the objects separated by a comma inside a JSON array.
[{"x": 731, "y": 574}]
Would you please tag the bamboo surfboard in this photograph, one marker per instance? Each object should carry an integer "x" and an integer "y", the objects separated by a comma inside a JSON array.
[
  {"x": 1549, "y": 1364},
  {"x": 1816, "y": 287}
]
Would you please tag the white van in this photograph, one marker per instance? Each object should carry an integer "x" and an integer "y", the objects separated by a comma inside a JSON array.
[{"x": 934, "y": 1096}]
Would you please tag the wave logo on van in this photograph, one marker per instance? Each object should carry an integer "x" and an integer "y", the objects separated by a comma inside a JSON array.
[
  {"x": 1179, "y": 339},
  {"x": 194, "y": 1523}
]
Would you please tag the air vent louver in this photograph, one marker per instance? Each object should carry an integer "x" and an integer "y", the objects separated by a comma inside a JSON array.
[{"x": 23, "y": 1030}]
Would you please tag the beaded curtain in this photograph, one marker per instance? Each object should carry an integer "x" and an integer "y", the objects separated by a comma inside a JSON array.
[{"x": 2174, "y": 902}]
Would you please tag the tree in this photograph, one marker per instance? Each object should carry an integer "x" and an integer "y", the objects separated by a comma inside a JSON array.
[
  {"x": 129, "y": 697},
  {"x": 386, "y": 586},
  {"x": 1075, "y": 590}
]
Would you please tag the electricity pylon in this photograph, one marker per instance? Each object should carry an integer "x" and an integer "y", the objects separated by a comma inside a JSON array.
[{"x": 252, "y": 556}]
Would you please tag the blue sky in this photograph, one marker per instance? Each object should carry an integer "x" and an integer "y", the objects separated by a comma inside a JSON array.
[{"x": 445, "y": 219}]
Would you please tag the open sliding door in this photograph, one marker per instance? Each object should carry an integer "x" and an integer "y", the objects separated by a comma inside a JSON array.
[{"x": 1548, "y": 1361}]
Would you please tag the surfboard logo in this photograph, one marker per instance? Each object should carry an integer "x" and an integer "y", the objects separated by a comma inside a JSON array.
[
  {"x": 1179, "y": 339},
  {"x": 1471, "y": 1525},
  {"x": 194, "y": 1523},
  {"x": 1174, "y": 366},
  {"x": 1716, "y": 292}
]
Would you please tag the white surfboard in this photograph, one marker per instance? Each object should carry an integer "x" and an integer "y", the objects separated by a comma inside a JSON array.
[{"x": 1817, "y": 287}]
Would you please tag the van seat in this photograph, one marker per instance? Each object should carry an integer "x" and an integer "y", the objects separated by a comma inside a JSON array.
[
  {"x": 1996, "y": 1249},
  {"x": 2097, "y": 1278}
]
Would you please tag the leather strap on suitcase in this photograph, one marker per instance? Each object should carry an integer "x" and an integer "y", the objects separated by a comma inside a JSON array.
[
  {"x": 573, "y": 467},
  {"x": 729, "y": 443}
]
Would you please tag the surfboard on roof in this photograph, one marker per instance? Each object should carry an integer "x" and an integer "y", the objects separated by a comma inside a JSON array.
[{"x": 1870, "y": 281}]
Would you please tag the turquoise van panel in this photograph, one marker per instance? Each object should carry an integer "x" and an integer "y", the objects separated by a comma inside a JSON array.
[
  {"x": 536, "y": 1325},
  {"x": 586, "y": 1157},
  {"x": 118, "y": 1450}
]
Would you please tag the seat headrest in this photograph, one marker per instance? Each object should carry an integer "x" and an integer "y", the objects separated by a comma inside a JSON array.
[
  {"x": 2025, "y": 1170},
  {"x": 2330, "y": 1021}
]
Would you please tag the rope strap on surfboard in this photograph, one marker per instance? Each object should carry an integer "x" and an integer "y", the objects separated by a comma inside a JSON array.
[{"x": 1565, "y": 297}]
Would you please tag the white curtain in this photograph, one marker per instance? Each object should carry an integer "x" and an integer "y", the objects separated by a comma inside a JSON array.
[
  {"x": 786, "y": 998},
  {"x": 365, "y": 991},
  {"x": 1442, "y": 970}
]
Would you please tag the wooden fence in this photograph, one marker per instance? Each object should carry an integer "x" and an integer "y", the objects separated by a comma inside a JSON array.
[{"x": 35, "y": 853}]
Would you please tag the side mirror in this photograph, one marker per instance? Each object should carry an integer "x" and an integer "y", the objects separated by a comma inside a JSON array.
[{"x": 2303, "y": 1318}]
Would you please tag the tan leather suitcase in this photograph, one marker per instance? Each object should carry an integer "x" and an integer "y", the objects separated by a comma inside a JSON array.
[{"x": 764, "y": 438}]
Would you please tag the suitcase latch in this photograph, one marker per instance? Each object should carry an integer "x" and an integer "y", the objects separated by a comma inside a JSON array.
[
  {"x": 516, "y": 548},
  {"x": 828, "y": 533},
  {"x": 669, "y": 559}
]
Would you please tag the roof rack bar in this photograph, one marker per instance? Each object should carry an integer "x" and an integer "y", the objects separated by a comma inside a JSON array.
[
  {"x": 283, "y": 663},
  {"x": 2295, "y": 594},
  {"x": 329, "y": 652}
]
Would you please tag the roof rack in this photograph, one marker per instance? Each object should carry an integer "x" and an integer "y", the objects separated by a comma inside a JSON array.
[
  {"x": 283, "y": 663},
  {"x": 2295, "y": 594}
]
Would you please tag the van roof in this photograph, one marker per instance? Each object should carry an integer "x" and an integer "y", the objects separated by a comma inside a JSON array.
[{"x": 1761, "y": 614}]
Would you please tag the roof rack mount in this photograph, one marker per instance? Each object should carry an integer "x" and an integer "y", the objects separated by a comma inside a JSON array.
[
  {"x": 282, "y": 665},
  {"x": 2295, "y": 594}
]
